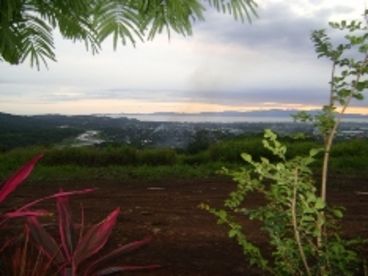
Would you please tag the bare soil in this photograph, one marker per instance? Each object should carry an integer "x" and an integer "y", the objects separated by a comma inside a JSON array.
[{"x": 187, "y": 240}]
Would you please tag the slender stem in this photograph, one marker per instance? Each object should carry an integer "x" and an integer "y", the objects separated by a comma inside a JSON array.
[
  {"x": 328, "y": 141},
  {"x": 328, "y": 144},
  {"x": 295, "y": 225},
  {"x": 332, "y": 133},
  {"x": 332, "y": 84},
  {"x": 325, "y": 161}
]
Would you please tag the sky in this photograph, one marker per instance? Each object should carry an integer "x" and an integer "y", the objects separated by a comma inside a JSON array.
[{"x": 225, "y": 65}]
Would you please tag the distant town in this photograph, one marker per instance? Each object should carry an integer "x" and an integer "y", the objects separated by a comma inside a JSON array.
[{"x": 102, "y": 129}]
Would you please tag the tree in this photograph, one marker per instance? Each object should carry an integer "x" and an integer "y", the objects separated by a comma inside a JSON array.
[
  {"x": 26, "y": 26},
  {"x": 303, "y": 229}
]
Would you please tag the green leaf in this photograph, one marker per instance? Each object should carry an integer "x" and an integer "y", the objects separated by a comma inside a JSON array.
[
  {"x": 337, "y": 213},
  {"x": 320, "y": 204},
  {"x": 232, "y": 233},
  {"x": 247, "y": 157},
  {"x": 358, "y": 96},
  {"x": 360, "y": 86},
  {"x": 314, "y": 152}
]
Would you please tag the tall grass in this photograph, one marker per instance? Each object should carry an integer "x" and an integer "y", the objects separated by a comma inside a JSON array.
[
  {"x": 101, "y": 157},
  {"x": 123, "y": 162}
]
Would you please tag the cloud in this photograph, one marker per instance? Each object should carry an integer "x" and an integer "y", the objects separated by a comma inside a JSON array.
[
  {"x": 223, "y": 63},
  {"x": 280, "y": 25}
]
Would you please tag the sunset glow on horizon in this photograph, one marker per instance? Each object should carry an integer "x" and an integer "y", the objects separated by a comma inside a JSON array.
[{"x": 86, "y": 107}]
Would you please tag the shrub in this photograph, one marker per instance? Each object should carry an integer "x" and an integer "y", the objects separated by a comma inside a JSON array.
[
  {"x": 291, "y": 217},
  {"x": 157, "y": 157},
  {"x": 301, "y": 226}
]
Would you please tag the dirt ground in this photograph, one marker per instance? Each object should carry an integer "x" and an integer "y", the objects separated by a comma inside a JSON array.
[{"x": 187, "y": 240}]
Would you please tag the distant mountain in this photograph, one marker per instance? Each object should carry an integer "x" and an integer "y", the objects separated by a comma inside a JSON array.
[{"x": 256, "y": 113}]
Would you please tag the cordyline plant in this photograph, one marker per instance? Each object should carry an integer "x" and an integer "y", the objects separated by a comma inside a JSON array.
[
  {"x": 14, "y": 181},
  {"x": 23, "y": 259},
  {"x": 74, "y": 254},
  {"x": 302, "y": 228}
]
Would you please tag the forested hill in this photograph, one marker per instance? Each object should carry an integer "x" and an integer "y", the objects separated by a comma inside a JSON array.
[{"x": 19, "y": 131}]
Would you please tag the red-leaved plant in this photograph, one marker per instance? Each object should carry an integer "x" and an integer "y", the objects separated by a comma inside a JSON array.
[
  {"x": 73, "y": 255},
  {"x": 14, "y": 181},
  {"x": 22, "y": 259},
  {"x": 8, "y": 187}
]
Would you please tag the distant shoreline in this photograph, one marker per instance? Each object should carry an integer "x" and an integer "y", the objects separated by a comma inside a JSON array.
[
  {"x": 260, "y": 116},
  {"x": 225, "y": 119},
  {"x": 269, "y": 116}
]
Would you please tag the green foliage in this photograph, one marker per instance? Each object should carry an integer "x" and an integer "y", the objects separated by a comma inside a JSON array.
[
  {"x": 95, "y": 157},
  {"x": 126, "y": 163},
  {"x": 26, "y": 27},
  {"x": 349, "y": 76},
  {"x": 302, "y": 228},
  {"x": 230, "y": 150},
  {"x": 291, "y": 216}
]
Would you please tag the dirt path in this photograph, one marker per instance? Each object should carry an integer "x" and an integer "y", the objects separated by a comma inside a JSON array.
[{"x": 187, "y": 240}]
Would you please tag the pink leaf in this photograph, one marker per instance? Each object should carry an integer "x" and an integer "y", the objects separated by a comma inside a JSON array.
[
  {"x": 7, "y": 242},
  {"x": 44, "y": 240},
  {"x": 119, "y": 251},
  {"x": 115, "y": 269},
  {"x": 18, "y": 177},
  {"x": 95, "y": 238},
  {"x": 65, "y": 225},
  {"x": 35, "y": 213},
  {"x": 60, "y": 194}
]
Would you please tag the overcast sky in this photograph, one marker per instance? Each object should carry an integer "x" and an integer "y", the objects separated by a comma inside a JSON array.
[{"x": 225, "y": 65}]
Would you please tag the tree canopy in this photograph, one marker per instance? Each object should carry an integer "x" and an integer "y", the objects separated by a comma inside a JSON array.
[{"x": 26, "y": 26}]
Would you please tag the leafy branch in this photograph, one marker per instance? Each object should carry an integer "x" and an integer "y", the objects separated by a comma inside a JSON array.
[
  {"x": 302, "y": 229},
  {"x": 26, "y": 26}
]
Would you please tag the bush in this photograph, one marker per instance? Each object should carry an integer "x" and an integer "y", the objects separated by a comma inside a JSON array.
[
  {"x": 156, "y": 157},
  {"x": 291, "y": 217}
]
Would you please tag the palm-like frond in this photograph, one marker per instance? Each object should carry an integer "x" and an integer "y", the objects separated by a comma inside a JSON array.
[
  {"x": 74, "y": 19},
  {"x": 240, "y": 9},
  {"x": 36, "y": 41},
  {"x": 9, "y": 32},
  {"x": 119, "y": 19},
  {"x": 26, "y": 25},
  {"x": 164, "y": 15}
]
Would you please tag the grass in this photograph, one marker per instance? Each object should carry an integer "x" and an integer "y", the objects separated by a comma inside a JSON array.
[
  {"x": 127, "y": 163},
  {"x": 125, "y": 173}
]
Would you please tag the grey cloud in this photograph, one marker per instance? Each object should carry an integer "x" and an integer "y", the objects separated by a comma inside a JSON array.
[
  {"x": 226, "y": 97},
  {"x": 256, "y": 96},
  {"x": 157, "y": 95},
  {"x": 277, "y": 26},
  {"x": 245, "y": 96}
]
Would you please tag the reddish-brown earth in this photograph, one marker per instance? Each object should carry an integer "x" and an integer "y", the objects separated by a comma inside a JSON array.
[{"x": 187, "y": 240}]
